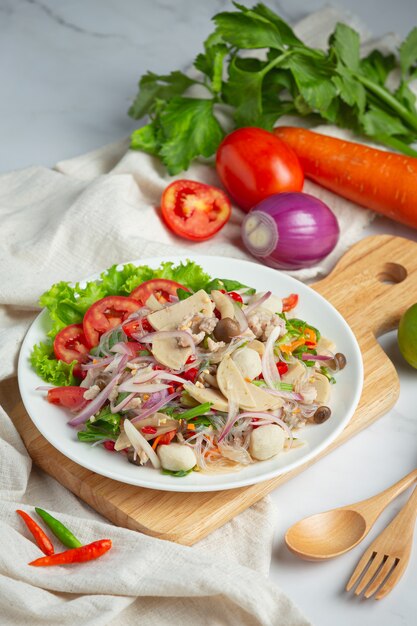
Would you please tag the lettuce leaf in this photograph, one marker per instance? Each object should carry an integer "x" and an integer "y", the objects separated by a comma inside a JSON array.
[
  {"x": 49, "y": 368},
  {"x": 67, "y": 304}
]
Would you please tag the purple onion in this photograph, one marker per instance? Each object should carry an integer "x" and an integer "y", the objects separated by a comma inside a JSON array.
[{"x": 290, "y": 230}]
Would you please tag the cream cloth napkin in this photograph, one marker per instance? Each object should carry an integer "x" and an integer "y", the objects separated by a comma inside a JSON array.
[{"x": 65, "y": 224}]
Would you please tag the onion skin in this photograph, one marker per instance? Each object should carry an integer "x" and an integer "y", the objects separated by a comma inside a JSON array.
[{"x": 300, "y": 231}]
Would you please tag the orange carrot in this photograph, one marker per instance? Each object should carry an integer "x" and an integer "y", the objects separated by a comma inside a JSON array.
[{"x": 383, "y": 181}]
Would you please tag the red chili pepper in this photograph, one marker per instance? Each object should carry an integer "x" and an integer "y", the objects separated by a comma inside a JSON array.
[
  {"x": 217, "y": 314},
  {"x": 41, "y": 538},
  {"x": 158, "y": 367},
  {"x": 171, "y": 389},
  {"x": 289, "y": 303},
  {"x": 75, "y": 555},
  {"x": 235, "y": 296},
  {"x": 311, "y": 344},
  {"x": 149, "y": 430},
  {"x": 167, "y": 438},
  {"x": 191, "y": 374},
  {"x": 190, "y": 359},
  {"x": 282, "y": 368},
  {"x": 232, "y": 294},
  {"x": 109, "y": 445}
]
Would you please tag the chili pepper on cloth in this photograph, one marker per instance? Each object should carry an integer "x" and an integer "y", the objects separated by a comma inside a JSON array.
[
  {"x": 88, "y": 552},
  {"x": 40, "y": 536},
  {"x": 59, "y": 530}
]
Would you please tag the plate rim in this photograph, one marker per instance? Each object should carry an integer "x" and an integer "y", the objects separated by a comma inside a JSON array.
[{"x": 170, "y": 483}]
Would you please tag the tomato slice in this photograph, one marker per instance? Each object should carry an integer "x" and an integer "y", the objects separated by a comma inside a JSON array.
[
  {"x": 105, "y": 314},
  {"x": 70, "y": 344},
  {"x": 289, "y": 303},
  {"x": 132, "y": 327},
  {"x": 69, "y": 397},
  {"x": 161, "y": 288},
  {"x": 194, "y": 210}
]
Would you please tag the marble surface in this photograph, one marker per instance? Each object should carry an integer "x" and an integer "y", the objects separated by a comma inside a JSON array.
[{"x": 68, "y": 72}]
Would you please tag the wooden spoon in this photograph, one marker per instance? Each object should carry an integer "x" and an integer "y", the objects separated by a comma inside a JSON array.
[{"x": 325, "y": 535}]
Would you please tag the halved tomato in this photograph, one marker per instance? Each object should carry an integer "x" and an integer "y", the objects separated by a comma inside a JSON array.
[
  {"x": 161, "y": 288},
  {"x": 70, "y": 344},
  {"x": 69, "y": 397},
  {"x": 105, "y": 314},
  {"x": 194, "y": 210}
]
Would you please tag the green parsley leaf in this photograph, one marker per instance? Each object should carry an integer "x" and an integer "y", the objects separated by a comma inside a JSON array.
[
  {"x": 192, "y": 119},
  {"x": 248, "y": 31},
  {"x": 377, "y": 66},
  {"x": 244, "y": 92},
  {"x": 146, "y": 139},
  {"x": 211, "y": 62},
  {"x": 153, "y": 87},
  {"x": 344, "y": 43},
  {"x": 408, "y": 52}
]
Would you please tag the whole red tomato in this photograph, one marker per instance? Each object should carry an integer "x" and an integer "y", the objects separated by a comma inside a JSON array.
[{"x": 253, "y": 165}]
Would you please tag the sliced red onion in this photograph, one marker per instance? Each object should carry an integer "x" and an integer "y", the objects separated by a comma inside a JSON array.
[
  {"x": 138, "y": 388},
  {"x": 269, "y": 368},
  {"x": 289, "y": 395},
  {"x": 232, "y": 416},
  {"x": 97, "y": 363},
  {"x": 167, "y": 376},
  {"x": 254, "y": 305},
  {"x": 143, "y": 359},
  {"x": 154, "y": 398},
  {"x": 143, "y": 376},
  {"x": 290, "y": 230},
  {"x": 239, "y": 315},
  {"x": 115, "y": 408},
  {"x": 124, "y": 347},
  {"x": 170, "y": 334},
  {"x": 139, "y": 443},
  {"x": 122, "y": 363},
  {"x": 138, "y": 314},
  {"x": 95, "y": 405},
  {"x": 315, "y": 357},
  {"x": 273, "y": 418},
  {"x": 143, "y": 414}
]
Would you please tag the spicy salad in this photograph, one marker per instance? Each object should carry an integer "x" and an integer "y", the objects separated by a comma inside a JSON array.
[{"x": 185, "y": 372}]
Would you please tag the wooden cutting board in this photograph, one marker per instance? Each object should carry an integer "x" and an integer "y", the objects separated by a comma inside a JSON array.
[{"x": 371, "y": 286}]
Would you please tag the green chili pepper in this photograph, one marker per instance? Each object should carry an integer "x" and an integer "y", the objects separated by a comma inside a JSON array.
[{"x": 59, "y": 530}]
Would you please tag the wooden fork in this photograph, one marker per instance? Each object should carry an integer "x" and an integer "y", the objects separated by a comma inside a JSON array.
[{"x": 386, "y": 559}]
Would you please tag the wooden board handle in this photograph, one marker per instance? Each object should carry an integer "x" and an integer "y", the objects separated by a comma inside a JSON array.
[{"x": 372, "y": 296}]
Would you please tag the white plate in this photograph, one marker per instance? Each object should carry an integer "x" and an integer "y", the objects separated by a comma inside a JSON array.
[{"x": 51, "y": 420}]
